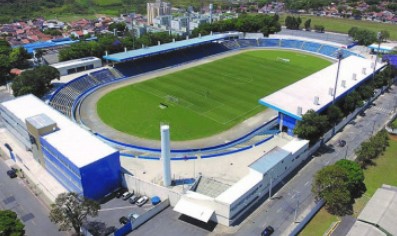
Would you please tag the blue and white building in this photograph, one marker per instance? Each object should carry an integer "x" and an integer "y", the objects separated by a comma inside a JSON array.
[{"x": 73, "y": 156}]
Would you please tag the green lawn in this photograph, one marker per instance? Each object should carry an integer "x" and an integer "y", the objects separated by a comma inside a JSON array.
[
  {"x": 319, "y": 224},
  {"x": 384, "y": 172},
  {"x": 206, "y": 99},
  {"x": 343, "y": 25}
]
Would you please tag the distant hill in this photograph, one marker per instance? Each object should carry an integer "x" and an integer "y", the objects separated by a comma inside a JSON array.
[{"x": 12, "y": 10}]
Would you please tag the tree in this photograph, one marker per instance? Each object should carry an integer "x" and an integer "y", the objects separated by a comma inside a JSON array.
[
  {"x": 319, "y": 28},
  {"x": 36, "y": 81},
  {"x": 352, "y": 32},
  {"x": 372, "y": 148},
  {"x": 307, "y": 24},
  {"x": 10, "y": 224},
  {"x": 312, "y": 126},
  {"x": 384, "y": 35},
  {"x": 70, "y": 210},
  {"x": 5, "y": 68},
  {"x": 365, "y": 91},
  {"x": 334, "y": 114},
  {"x": 18, "y": 58},
  {"x": 365, "y": 37},
  {"x": 292, "y": 22},
  {"x": 351, "y": 102},
  {"x": 5, "y": 64},
  {"x": 355, "y": 177},
  {"x": 332, "y": 185},
  {"x": 119, "y": 27}
]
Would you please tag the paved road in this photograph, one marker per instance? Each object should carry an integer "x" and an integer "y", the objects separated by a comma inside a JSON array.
[
  {"x": 167, "y": 223},
  {"x": 296, "y": 194},
  {"x": 15, "y": 196}
]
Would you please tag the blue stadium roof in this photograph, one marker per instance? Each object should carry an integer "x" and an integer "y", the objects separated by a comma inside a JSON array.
[
  {"x": 30, "y": 47},
  {"x": 144, "y": 52}
]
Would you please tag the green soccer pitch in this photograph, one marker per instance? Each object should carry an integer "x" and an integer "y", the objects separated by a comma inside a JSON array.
[{"x": 207, "y": 99}]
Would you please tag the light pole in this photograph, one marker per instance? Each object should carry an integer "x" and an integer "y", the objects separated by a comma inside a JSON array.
[
  {"x": 270, "y": 187},
  {"x": 373, "y": 127},
  {"x": 379, "y": 38},
  {"x": 347, "y": 148},
  {"x": 297, "y": 206},
  {"x": 339, "y": 56}
]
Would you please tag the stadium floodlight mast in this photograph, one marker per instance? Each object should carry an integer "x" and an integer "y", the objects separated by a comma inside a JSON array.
[
  {"x": 339, "y": 56},
  {"x": 379, "y": 38}
]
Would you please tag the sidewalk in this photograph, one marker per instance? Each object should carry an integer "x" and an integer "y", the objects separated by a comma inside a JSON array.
[{"x": 39, "y": 180}]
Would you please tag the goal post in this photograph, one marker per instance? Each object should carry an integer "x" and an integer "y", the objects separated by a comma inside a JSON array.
[
  {"x": 283, "y": 59},
  {"x": 172, "y": 99}
]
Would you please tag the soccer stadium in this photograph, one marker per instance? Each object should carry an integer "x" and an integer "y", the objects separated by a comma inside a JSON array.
[{"x": 226, "y": 104}]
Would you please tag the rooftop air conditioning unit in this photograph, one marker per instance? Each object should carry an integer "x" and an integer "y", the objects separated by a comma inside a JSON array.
[
  {"x": 354, "y": 77},
  {"x": 316, "y": 100},
  {"x": 299, "y": 111}
]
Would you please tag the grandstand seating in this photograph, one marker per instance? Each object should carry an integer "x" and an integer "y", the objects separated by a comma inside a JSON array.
[
  {"x": 103, "y": 76},
  {"x": 347, "y": 53},
  {"x": 328, "y": 50},
  {"x": 310, "y": 46},
  {"x": 244, "y": 43},
  {"x": 291, "y": 43},
  {"x": 269, "y": 42},
  {"x": 232, "y": 44},
  {"x": 173, "y": 58},
  {"x": 64, "y": 97}
]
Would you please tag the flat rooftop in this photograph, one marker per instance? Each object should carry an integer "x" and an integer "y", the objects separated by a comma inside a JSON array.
[
  {"x": 353, "y": 71},
  {"x": 77, "y": 144},
  {"x": 269, "y": 160},
  {"x": 40, "y": 121},
  {"x": 381, "y": 210},
  {"x": 383, "y": 47},
  {"x": 211, "y": 187},
  {"x": 143, "y": 52},
  {"x": 258, "y": 168}
]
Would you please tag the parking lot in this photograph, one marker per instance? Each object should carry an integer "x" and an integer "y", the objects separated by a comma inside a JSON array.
[{"x": 111, "y": 212}]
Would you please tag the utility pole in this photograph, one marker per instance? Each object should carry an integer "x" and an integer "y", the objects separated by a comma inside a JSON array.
[{"x": 297, "y": 207}]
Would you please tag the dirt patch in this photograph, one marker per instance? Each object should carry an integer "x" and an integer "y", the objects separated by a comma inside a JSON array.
[{"x": 393, "y": 137}]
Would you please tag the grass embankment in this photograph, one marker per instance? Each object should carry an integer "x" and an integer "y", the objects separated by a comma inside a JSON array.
[{"x": 342, "y": 25}]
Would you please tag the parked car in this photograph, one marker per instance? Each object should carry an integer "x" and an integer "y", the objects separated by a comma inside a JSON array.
[
  {"x": 267, "y": 231},
  {"x": 123, "y": 220},
  {"x": 120, "y": 192},
  {"x": 342, "y": 143},
  {"x": 133, "y": 216},
  {"x": 142, "y": 200},
  {"x": 133, "y": 199},
  {"x": 11, "y": 173},
  {"x": 127, "y": 195}
]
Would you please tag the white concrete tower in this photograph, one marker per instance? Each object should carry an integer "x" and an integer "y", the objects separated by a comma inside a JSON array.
[
  {"x": 211, "y": 8},
  {"x": 166, "y": 154}
]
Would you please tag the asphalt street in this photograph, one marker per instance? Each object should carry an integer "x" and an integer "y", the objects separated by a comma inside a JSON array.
[
  {"x": 295, "y": 197},
  {"x": 16, "y": 196}
]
